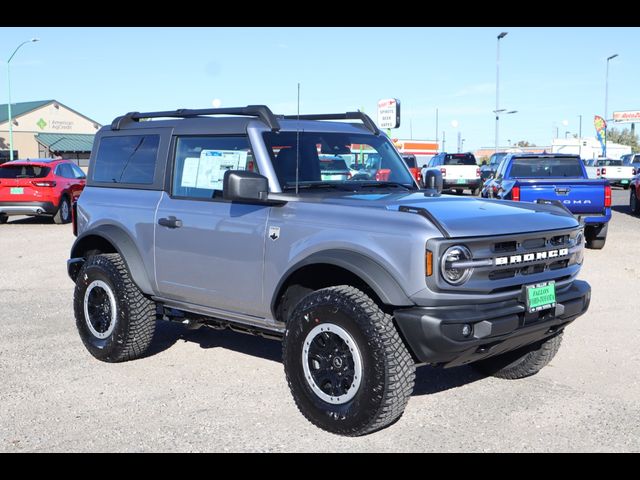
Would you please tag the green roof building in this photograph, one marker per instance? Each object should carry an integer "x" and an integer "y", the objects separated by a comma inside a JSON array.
[{"x": 46, "y": 129}]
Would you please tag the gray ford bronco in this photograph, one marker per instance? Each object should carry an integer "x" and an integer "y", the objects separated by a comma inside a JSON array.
[{"x": 224, "y": 218}]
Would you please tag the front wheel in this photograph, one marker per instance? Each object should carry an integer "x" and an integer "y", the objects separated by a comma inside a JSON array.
[
  {"x": 347, "y": 368},
  {"x": 523, "y": 362},
  {"x": 115, "y": 320}
]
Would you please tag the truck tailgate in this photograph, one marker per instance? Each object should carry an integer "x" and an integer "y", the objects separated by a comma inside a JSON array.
[{"x": 579, "y": 196}]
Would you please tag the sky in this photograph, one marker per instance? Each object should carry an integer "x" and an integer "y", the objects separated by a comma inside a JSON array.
[{"x": 550, "y": 75}]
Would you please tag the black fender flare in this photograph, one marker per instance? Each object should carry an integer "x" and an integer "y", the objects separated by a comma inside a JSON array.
[
  {"x": 124, "y": 245},
  {"x": 368, "y": 270}
]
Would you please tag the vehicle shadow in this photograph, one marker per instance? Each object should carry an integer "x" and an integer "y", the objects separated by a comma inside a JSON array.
[
  {"x": 30, "y": 221},
  {"x": 169, "y": 333},
  {"x": 429, "y": 380},
  {"x": 623, "y": 209}
]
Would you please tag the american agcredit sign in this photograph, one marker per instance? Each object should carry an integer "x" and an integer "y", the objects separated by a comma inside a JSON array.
[{"x": 629, "y": 116}]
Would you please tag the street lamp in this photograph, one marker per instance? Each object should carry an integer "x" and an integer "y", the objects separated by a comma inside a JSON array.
[
  {"x": 497, "y": 110},
  {"x": 9, "y": 88},
  {"x": 606, "y": 102}
]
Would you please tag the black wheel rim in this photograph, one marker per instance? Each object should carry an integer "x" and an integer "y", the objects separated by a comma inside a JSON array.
[{"x": 100, "y": 309}]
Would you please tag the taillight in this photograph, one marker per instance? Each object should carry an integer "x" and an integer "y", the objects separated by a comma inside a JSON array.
[
  {"x": 634, "y": 171},
  {"x": 443, "y": 171},
  {"x": 43, "y": 183},
  {"x": 603, "y": 171},
  {"x": 349, "y": 175},
  {"x": 607, "y": 196},
  {"x": 477, "y": 172},
  {"x": 515, "y": 194},
  {"x": 382, "y": 175}
]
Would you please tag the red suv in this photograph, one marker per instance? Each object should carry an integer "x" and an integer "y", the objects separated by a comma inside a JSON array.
[{"x": 44, "y": 187}]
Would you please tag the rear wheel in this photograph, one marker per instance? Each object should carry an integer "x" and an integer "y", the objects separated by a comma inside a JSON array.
[
  {"x": 115, "y": 320},
  {"x": 459, "y": 191},
  {"x": 63, "y": 215},
  {"x": 596, "y": 237},
  {"x": 3, "y": 219},
  {"x": 626, "y": 186},
  {"x": 523, "y": 362},
  {"x": 347, "y": 368}
]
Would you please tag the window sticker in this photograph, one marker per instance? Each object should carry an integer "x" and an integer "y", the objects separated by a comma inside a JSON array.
[
  {"x": 207, "y": 171},
  {"x": 190, "y": 172}
]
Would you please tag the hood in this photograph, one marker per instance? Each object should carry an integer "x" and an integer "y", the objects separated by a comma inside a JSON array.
[{"x": 470, "y": 216}]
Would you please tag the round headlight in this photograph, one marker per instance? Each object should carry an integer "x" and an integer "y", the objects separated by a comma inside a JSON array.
[{"x": 456, "y": 276}]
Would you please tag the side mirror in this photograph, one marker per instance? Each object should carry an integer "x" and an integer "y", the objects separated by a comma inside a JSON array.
[
  {"x": 433, "y": 180},
  {"x": 245, "y": 186}
]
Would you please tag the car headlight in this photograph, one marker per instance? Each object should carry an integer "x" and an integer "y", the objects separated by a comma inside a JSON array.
[{"x": 452, "y": 271}]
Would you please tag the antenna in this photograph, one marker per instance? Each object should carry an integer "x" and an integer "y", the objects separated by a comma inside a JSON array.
[{"x": 298, "y": 141}]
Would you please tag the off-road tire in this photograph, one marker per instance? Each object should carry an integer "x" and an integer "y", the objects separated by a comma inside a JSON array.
[
  {"x": 634, "y": 204},
  {"x": 63, "y": 215},
  {"x": 388, "y": 368},
  {"x": 523, "y": 362},
  {"x": 135, "y": 313}
]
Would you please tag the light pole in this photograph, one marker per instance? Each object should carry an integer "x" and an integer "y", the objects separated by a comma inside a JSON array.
[
  {"x": 606, "y": 103},
  {"x": 497, "y": 110},
  {"x": 580, "y": 137},
  {"x": 9, "y": 103}
]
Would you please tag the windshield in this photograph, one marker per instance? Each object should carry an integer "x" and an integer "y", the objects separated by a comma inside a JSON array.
[
  {"x": 365, "y": 159},
  {"x": 496, "y": 158},
  {"x": 554, "y": 167},
  {"x": 23, "y": 171}
]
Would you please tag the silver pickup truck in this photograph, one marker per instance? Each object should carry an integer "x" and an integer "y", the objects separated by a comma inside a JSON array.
[{"x": 221, "y": 218}]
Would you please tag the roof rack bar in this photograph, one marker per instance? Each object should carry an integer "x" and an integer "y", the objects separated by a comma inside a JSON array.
[
  {"x": 366, "y": 120},
  {"x": 261, "y": 111}
]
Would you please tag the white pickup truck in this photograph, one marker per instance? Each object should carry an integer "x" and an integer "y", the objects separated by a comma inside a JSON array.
[
  {"x": 612, "y": 170},
  {"x": 459, "y": 171}
]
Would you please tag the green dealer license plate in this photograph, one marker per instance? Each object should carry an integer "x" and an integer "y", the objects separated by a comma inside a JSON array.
[
  {"x": 16, "y": 191},
  {"x": 624, "y": 182},
  {"x": 462, "y": 180},
  {"x": 541, "y": 296}
]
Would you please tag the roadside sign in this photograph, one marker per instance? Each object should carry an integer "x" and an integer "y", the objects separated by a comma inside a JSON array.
[
  {"x": 389, "y": 113},
  {"x": 629, "y": 116}
]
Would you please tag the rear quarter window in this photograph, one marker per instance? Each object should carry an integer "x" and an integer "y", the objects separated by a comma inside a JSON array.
[{"x": 126, "y": 159}]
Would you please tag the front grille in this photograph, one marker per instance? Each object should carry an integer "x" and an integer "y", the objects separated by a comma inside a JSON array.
[{"x": 506, "y": 263}]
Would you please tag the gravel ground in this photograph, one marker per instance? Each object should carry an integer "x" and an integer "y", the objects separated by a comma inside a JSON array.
[{"x": 205, "y": 390}]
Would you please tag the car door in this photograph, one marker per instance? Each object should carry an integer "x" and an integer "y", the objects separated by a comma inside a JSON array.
[{"x": 209, "y": 251}]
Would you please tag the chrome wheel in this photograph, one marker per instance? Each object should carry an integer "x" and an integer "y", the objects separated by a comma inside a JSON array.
[
  {"x": 332, "y": 363},
  {"x": 100, "y": 311}
]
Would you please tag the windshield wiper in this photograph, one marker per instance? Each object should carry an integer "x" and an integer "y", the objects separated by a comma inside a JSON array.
[
  {"x": 384, "y": 184},
  {"x": 289, "y": 186}
]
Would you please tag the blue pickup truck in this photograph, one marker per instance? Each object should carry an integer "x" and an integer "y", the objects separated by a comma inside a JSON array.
[{"x": 558, "y": 178}]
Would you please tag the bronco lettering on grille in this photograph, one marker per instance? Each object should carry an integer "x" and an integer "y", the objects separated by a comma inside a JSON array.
[{"x": 531, "y": 257}]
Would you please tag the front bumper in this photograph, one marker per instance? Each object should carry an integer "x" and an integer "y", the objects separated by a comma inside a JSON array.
[{"x": 434, "y": 334}]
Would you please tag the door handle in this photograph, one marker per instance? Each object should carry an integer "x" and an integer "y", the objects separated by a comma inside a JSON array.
[{"x": 171, "y": 222}]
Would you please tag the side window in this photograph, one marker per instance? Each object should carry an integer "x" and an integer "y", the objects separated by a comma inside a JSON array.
[
  {"x": 64, "y": 171},
  {"x": 200, "y": 163},
  {"x": 77, "y": 171},
  {"x": 126, "y": 159}
]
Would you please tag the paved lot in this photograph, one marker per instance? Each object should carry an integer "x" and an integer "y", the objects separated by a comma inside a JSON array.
[{"x": 222, "y": 391}]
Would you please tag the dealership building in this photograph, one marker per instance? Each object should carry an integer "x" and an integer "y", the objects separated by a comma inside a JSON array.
[{"x": 46, "y": 129}]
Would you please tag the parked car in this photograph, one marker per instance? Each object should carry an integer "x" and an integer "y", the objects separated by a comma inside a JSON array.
[
  {"x": 632, "y": 160},
  {"x": 412, "y": 163},
  {"x": 634, "y": 194},
  {"x": 362, "y": 281},
  {"x": 459, "y": 171},
  {"x": 489, "y": 169},
  {"x": 592, "y": 170},
  {"x": 560, "y": 179},
  {"x": 614, "y": 171},
  {"x": 334, "y": 168},
  {"x": 39, "y": 187}
]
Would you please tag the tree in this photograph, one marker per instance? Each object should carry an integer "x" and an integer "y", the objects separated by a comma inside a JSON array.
[
  {"x": 524, "y": 143},
  {"x": 624, "y": 137}
]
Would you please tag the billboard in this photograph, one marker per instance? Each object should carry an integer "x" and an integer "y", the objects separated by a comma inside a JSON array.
[{"x": 629, "y": 116}]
